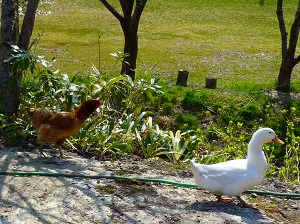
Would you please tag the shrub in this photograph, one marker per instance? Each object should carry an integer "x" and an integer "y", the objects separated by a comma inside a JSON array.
[
  {"x": 167, "y": 108},
  {"x": 194, "y": 101},
  {"x": 187, "y": 122},
  {"x": 248, "y": 115}
]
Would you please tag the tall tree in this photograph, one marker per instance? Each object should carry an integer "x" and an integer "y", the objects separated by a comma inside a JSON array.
[
  {"x": 10, "y": 84},
  {"x": 129, "y": 22},
  {"x": 288, "y": 48}
]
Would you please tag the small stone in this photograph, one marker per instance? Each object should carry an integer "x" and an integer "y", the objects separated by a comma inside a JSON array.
[
  {"x": 289, "y": 191},
  {"x": 253, "y": 195},
  {"x": 294, "y": 207},
  {"x": 20, "y": 154}
]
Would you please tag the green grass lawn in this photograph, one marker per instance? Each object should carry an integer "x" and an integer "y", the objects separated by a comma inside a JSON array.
[{"x": 237, "y": 42}]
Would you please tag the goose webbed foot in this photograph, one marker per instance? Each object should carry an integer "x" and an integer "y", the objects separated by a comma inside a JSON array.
[
  {"x": 224, "y": 199},
  {"x": 245, "y": 204}
]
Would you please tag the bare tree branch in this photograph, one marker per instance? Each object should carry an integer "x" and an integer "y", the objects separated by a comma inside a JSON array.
[
  {"x": 28, "y": 24},
  {"x": 140, "y": 5},
  {"x": 127, "y": 7},
  {"x": 112, "y": 10},
  {"x": 294, "y": 33},
  {"x": 297, "y": 60},
  {"x": 282, "y": 28}
]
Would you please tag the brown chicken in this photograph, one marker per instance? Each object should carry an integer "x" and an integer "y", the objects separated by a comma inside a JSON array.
[{"x": 54, "y": 127}]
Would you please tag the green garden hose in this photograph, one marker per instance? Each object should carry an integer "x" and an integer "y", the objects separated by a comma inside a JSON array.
[{"x": 179, "y": 184}]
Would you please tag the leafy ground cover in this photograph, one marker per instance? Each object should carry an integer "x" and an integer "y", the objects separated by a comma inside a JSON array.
[{"x": 146, "y": 118}]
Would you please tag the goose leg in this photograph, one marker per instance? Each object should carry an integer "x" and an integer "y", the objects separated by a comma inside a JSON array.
[{"x": 245, "y": 204}]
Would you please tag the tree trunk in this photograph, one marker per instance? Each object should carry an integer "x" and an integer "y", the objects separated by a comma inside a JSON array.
[
  {"x": 288, "y": 49},
  {"x": 285, "y": 74},
  {"x": 9, "y": 85},
  {"x": 131, "y": 52},
  {"x": 129, "y": 23}
]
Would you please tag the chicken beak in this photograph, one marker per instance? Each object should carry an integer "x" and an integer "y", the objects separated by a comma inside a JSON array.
[{"x": 277, "y": 140}]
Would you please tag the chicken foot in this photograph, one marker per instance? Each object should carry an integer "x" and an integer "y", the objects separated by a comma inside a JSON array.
[
  {"x": 61, "y": 153},
  {"x": 41, "y": 150}
]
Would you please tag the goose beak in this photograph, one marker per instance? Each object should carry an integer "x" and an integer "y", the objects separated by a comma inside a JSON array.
[{"x": 277, "y": 140}]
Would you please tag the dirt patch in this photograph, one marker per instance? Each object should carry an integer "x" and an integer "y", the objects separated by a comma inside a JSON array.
[{"x": 38, "y": 199}]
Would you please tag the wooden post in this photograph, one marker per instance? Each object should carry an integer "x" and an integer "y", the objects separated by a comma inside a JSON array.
[
  {"x": 211, "y": 83},
  {"x": 182, "y": 78}
]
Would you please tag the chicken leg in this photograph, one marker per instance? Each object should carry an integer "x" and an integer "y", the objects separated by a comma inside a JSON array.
[
  {"x": 59, "y": 143},
  {"x": 61, "y": 153},
  {"x": 41, "y": 150}
]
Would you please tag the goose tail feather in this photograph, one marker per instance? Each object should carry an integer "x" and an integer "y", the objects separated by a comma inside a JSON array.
[{"x": 197, "y": 168}]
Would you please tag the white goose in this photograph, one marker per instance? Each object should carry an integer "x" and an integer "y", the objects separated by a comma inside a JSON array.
[{"x": 233, "y": 177}]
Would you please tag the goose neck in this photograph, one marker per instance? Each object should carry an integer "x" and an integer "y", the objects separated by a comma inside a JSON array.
[{"x": 256, "y": 156}]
